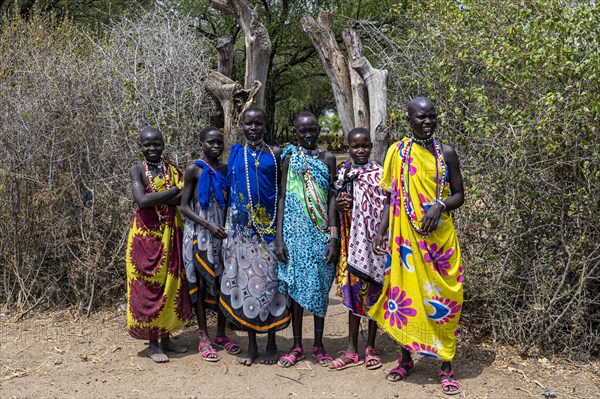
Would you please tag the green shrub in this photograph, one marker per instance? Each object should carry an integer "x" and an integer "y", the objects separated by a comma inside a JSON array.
[{"x": 517, "y": 86}]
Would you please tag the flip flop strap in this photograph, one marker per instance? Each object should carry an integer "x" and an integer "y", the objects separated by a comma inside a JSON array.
[
  {"x": 339, "y": 363},
  {"x": 228, "y": 344},
  {"x": 290, "y": 357},
  {"x": 450, "y": 384},
  {"x": 322, "y": 356},
  {"x": 402, "y": 369}
]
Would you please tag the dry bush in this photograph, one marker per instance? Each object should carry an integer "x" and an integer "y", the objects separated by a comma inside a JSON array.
[
  {"x": 70, "y": 106},
  {"x": 517, "y": 88}
]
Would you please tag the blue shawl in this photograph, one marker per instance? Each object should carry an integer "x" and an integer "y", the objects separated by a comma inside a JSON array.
[{"x": 211, "y": 183}]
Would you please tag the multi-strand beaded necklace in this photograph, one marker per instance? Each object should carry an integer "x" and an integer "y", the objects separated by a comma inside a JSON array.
[
  {"x": 260, "y": 226},
  {"x": 440, "y": 178},
  {"x": 309, "y": 183},
  {"x": 162, "y": 210}
]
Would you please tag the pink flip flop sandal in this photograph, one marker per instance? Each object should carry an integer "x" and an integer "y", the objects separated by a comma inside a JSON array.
[
  {"x": 291, "y": 358},
  {"x": 340, "y": 364},
  {"x": 370, "y": 356},
  {"x": 447, "y": 381},
  {"x": 210, "y": 355},
  {"x": 403, "y": 370},
  {"x": 323, "y": 359},
  {"x": 228, "y": 345}
]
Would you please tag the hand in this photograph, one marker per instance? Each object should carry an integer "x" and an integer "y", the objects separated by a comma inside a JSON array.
[
  {"x": 378, "y": 248},
  {"x": 216, "y": 230},
  {"x": 332, "y": 252},
  {"x": 281, "y": 251},
  {"x": 343, "y": 202},
  {"x": 430, "y": 221}
]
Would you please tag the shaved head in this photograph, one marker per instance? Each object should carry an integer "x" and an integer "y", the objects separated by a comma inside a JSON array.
[
  {"x": 305, "y": 114},
  {"x": 418, "y": 102},
  {"x": 150, "y": 132}
]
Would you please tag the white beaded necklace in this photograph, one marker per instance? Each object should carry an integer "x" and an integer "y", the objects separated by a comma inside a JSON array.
[{"x": 258, "y": 226}]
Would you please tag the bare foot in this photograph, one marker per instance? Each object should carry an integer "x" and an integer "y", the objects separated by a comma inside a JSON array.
[
  {"x": 271, "y": 356},
  {"x": 168, "y": 345},
  {"x": 156, "y": 353},
  {"x": 248, "y": 358}
]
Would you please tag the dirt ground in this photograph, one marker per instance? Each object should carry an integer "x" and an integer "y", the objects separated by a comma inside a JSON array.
[{"x": 63, "y": 355}]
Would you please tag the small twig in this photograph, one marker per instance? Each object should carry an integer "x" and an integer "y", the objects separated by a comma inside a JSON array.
[
  {"x": 538, "y": 383},
  {"x": 308, "y": 365},
  {"x": 289, "y": 378},
  {"x": 29, "y": 310},
  {"x": 524, "y": 390}
]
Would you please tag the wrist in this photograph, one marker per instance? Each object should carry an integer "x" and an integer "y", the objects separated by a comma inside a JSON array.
[
  {"x": 443, "y": 204},
  {"x": 334, "y": 231}
]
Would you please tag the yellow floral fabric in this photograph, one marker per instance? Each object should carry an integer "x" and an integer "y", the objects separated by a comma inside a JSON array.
[{"x": 422, "y": 294}]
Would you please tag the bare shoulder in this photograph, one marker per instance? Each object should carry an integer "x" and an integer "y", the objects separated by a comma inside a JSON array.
[
  {"x": 329, "y": 158},
  {"x": 136, "y": 170},
  {"x": 449, "y": 153},
  {"x": 193, "y": 170},
  {"x": 285, "y": 161},
  {"x": 277, "y": 150}
]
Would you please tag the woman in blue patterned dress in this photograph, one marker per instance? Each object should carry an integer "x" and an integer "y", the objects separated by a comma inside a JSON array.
[
  {"x": 307, "y": 237},
  {"x": 250, "y": 296}
]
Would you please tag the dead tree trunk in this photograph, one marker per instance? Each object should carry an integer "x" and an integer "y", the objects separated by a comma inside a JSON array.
[
  {"x": 360, "y": 97},
  {"x": 226, "y": 55},
  {"x": 376, "y": 81},
  {"x": 360, "y": 90},
  {"x": 234, "y": 99},
  {"x": 225, "y": 62},
  {"x": 258, "y": 43},
  {"x": 321, "y": 35}
]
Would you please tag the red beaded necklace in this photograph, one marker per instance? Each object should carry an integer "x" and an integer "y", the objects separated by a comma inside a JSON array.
[
  {"x": 162, "y": 210},
  {"x": 440, "y": 178},
  {"x": 309, "y": 183}
]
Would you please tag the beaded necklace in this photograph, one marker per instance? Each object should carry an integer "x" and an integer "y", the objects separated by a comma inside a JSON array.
[
  {"x": 423, "y": 142},
  {"x": 255, "y": 221},
  {"x": 313, "y": 153},
  {"x": 257, "y": 146},
  {"x": 405, "y": 184},
  {"x": 162, "y": 210},
  {"x": 309, "y": 183}
]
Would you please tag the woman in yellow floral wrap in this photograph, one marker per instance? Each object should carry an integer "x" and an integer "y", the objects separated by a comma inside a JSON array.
[
  {"x": 158, "y": 300},
  {"x": 422, "y": 293}
]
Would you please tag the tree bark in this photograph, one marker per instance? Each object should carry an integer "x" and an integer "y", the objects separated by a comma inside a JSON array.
[
  {"x": 360, "y": 97},
  {"x": 321, "y": 34},
  {"x": 257, "y": 41},
  {"x": 376, "y": 81},
  {"x": 225, "y": 55},
  {"x": 234, "y": 100}
]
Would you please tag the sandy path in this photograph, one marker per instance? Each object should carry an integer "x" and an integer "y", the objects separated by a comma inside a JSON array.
[{"x": 61, "y": 355}]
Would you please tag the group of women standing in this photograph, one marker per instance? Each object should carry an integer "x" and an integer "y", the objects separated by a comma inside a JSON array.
[{"x": 262, "y": 235}]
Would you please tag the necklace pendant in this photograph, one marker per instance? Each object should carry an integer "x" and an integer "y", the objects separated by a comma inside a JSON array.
[{"x": 256, "y": 163}]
